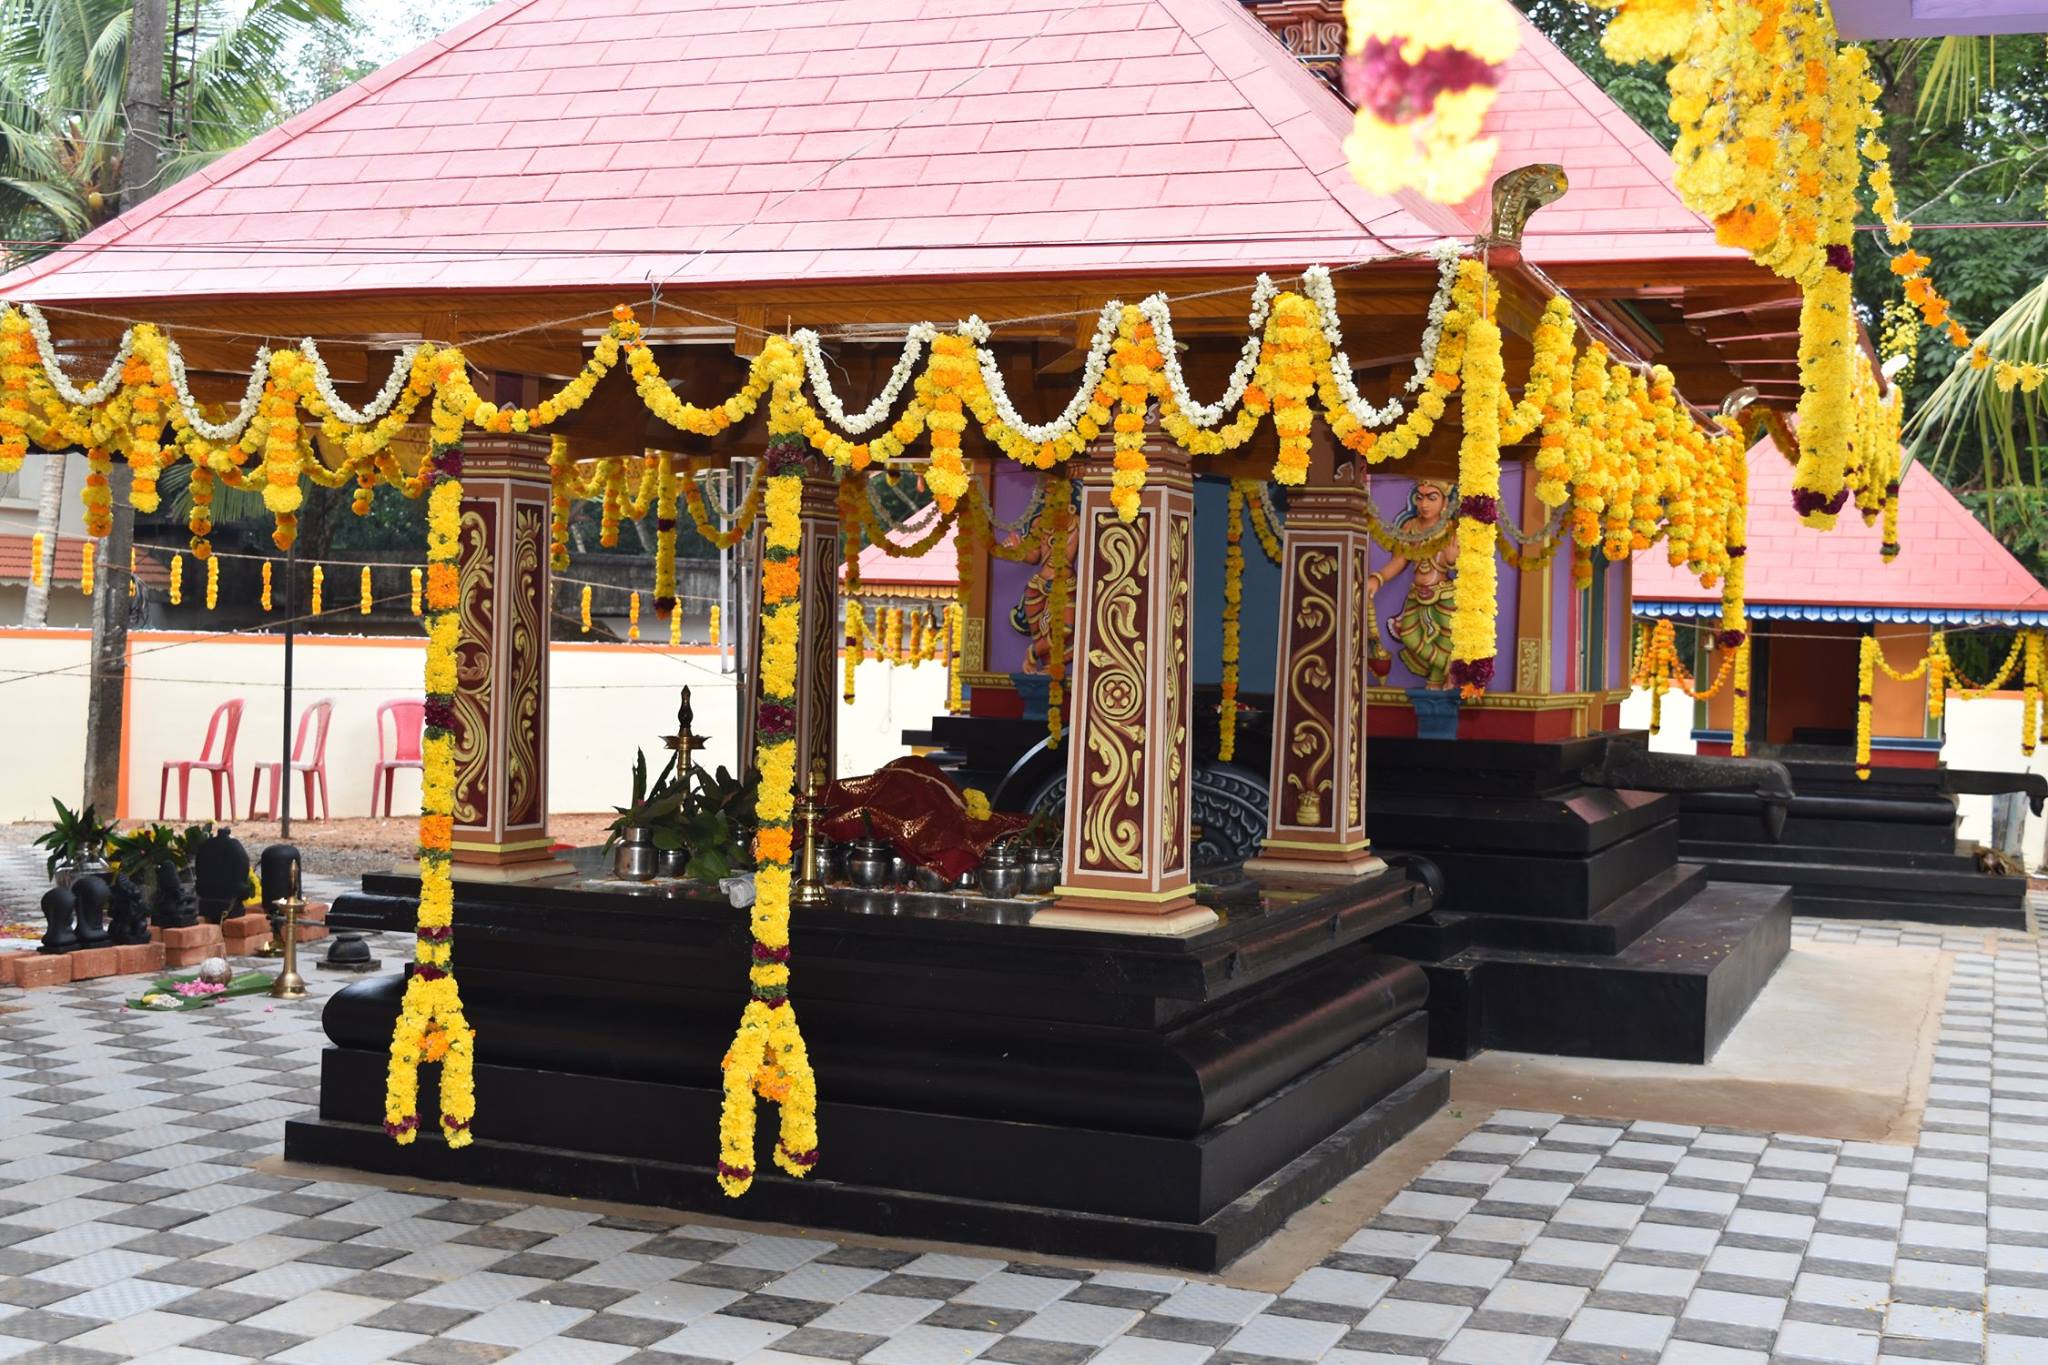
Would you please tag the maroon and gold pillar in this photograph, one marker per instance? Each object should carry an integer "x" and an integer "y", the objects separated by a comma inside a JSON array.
[
  {"x": 501, "y": 661},
  {"x": 1129, "y": 850},
  {"x": 1315, "y": 825}
]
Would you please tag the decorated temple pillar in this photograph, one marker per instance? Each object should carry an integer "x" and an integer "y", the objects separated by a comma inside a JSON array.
[
  {"x": 820, "y": 628},
  {"x": 501, "y": 696},
  {"x": 1315, "y": 824},
  {"x": 1129, "y": 848}
]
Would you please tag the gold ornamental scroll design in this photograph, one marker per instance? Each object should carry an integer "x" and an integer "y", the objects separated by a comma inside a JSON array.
[
  {"x": 1113, "y": 785},
  {"x": 528, "y": 658},
  {"x": 1354, "y": 748},
  {"x": 1311, "y": 682},
  {"x": 475, "y": 621},
  {"x": 1177, "y": 540}
]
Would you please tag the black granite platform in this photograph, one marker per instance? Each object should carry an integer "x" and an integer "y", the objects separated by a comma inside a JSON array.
[
  {"x": 1884, "y": 848},
  {"x": 1567, "y": 922},
  {"x": 1094, "y": 1094}
]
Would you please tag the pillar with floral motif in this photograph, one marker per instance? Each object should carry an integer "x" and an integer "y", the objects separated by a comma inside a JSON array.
[
  {"x": 1315, "y": 823},
  {"x": 501, "y": 661},
  {"x": 1129, "y": 847}
]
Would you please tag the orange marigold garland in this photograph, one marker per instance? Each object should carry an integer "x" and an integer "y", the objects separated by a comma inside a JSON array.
[
  {"x": 431, "y": 1023},
  {"x": 767, "y": 1057}
]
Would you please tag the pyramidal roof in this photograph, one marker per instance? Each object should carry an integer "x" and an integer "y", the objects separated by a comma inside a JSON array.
[
  {"x": 1948, "y": 563},
  {"x": 610, "y": 143}
]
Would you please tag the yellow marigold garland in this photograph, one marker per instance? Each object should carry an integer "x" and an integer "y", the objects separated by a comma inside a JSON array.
[
  {"x": 1233, "y": 605},
  {"x": 212, "y": 582},
  {"x": 37, "y": 544},
  {"x": 363, "y": 592},
  {"x": 714, "y": 624},
  {"x": 852, "y": 646},
  {"x": 585, "y": 604},
  {"x": 86, "y": 568},
  {"x": 266, "y": 585},
  {"x": 431, "y": 1025},
  {"x": 1472, "y": 623},
  {"x": 2030, "y": 697},
  {"x": 416, "y": 585},
  {"x": 1738, "y": 739},
  {"x": 319, "y": 587},
  {"x": 178, "y": 579},
  {"x": 767, "y": 1057},
  {"x": 1866, "y": 680}
]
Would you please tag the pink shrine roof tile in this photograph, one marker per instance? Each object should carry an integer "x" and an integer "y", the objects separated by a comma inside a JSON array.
[
  {"x": 938, "y": 567},
  {"x": 602, "y": 143},
  {"x": 1947, "y": 559}
]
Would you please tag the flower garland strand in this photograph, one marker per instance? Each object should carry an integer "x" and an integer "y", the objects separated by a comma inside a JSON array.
[
  {"x": 431, "y": 1026},
  {"x": 1866, "y": 681},
  {"x": 1233, "y": 605},
  {"x": 1423, "y": 78},
  {"x": 767, "y": 1057},
  {"x": 1472, "y": 622}
]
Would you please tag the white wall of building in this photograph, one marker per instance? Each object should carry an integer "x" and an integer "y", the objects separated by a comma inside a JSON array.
[{"x": 608, "y": 701}]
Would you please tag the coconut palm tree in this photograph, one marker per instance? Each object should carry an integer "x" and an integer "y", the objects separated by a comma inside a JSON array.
[
  {"x": 63, "y": 69},
  {"x": 1988, "y": 425}
]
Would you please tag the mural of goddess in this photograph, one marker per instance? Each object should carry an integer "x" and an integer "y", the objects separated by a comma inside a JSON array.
[{"x": 1422, "y": 627}]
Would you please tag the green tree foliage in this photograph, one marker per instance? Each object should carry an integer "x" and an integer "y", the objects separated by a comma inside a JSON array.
[{"x": 63, "y": 69}]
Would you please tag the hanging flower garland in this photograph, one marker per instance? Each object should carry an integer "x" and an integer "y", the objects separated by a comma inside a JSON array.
[
  {"x": 319, "y": 587},
  {"x": 212, "y": 583},
  {"x": 1233, "y": 606},
  {"x": 767, "y": 1057},
  {"x": 1472, "y": 622},
  {"x": 266, "y": 585},
  {"x": 431, "y": 1026},
  {"x": 2030, "y": 697},
  {"x": 414, "y": 595},
  {"x": 1866, "y": 681},
  {"x": 585, "y": 608},
  {"x": 1423, "y": 79},
  {"x": 854, "y": 645},
  {"x": 86, "y": 569}
]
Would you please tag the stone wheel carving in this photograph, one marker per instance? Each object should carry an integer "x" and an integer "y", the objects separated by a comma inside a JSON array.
[{"x": 1229, "y": 808}]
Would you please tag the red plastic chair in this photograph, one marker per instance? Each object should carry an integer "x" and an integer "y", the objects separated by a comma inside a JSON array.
[
  {"x": 229, "y": 712},
  {"x": 309, "y": 770},
  {"x": 407, "y": 718}
]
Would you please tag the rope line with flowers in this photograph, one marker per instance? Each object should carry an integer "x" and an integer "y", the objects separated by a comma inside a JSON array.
[
  {"x": 767, "y": 1058},
  {"x": 431, "y": 1026}
]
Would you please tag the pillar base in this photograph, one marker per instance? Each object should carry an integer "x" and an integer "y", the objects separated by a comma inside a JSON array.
[
  {"x": 529, "y": 870},
  {"x": 1302, "y": 865},
  {"x": 1178, "y": 923}
]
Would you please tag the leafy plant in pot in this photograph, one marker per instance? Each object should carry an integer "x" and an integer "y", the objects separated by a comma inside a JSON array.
[
  {"x": 706, "y": 832},
  {"x": 630, "y": 841},
  {"x": 75, "y": 842},
  {"x": 159, "y": 857},
  {"x": 1040, "y": 842}
]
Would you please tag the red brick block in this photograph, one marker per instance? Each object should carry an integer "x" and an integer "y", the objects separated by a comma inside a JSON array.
[
  {"x": 8, "y": 963},
  {"x": 192, "y": 957},
  {"x": 310, "y": 932},
  {"x": 37, "y": 970},
  {"x": 89, "y": 963},
  {"x": 141, "y": 957},
  {"x": 206, "y": 936}
]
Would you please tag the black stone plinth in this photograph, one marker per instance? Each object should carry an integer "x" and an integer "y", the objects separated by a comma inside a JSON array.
[
  {"x": 1567, "y": 924},
  {"x": 1884, "y": 848},
  {"x": 1095, "y": 1094}
]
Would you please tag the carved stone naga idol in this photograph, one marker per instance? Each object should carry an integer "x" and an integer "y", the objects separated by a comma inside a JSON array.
[{"x": 1628, "y": 762}]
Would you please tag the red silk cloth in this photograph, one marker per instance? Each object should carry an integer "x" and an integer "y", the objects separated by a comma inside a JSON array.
[{"x": 913, "y": 805}]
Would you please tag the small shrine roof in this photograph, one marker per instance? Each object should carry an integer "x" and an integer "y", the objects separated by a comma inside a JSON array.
[
  {"x": 935, "y": 572},
  {"x": 612, "y": 143},
  {"x": 1950, "y": 569}
]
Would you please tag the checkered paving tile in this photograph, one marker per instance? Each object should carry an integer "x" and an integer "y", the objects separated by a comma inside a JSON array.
[{"x": 136, "y": 1225}]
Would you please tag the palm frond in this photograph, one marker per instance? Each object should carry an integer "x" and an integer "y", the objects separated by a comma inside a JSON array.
[
  {"x": 2006, "y": 424},
  {"x": 1959, "y": 71}
]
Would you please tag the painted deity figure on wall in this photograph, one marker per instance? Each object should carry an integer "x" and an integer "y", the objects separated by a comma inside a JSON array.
[
  {"x": 1032, "y": 616},
  {"x": 1422, "y": 627}
]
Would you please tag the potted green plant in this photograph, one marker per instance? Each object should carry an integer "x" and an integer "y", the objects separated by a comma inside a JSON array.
[
  {"x": 1040, "y": 839},
  {"x": 76, "y": 841},
  {"x": 630, "y": 841},
  {"x": 704, "y": 831}
]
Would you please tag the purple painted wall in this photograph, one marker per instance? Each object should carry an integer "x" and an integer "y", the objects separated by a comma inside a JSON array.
[{"x": 1390, "y": 497}]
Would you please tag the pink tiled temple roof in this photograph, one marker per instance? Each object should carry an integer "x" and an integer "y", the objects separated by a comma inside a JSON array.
[
  {"x": 1948, "y": 561},
  {"x": 610, "y": 143}
]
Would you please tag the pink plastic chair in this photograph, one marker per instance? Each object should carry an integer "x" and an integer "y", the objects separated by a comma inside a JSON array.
[
  {"x": 407, "y": 718},
  {"x": 229, "y": 712},
  {"x": 310, "y": 770}
]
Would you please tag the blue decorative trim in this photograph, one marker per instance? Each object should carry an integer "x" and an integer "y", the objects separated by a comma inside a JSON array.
[
  {"x": 1795, "y": 611},
  {"x": 1714, "y": 736},
  {"x": 1901, "y": 742}
]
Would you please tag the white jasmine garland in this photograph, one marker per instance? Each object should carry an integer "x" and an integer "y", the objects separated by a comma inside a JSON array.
[
  {"x": 829, "y": 402},
  {"x": 93, "y": 394},
  {"x": 1091, "y": 377},
  {"x": 232, "y": 429},
  {"x": 1156, "y": 311},
  {"x": 323, "y": 384},
  {"x": 1447, "y": 253},
  {"x": 1316, "y": 284}
]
